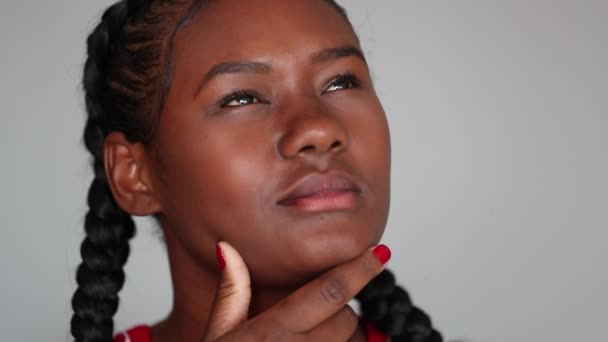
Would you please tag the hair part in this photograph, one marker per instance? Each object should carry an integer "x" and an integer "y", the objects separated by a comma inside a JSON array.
[{"x": 127, "y": 76}]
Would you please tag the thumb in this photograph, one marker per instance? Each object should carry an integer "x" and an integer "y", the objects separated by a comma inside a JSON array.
[{"x": 231, "y": 304}]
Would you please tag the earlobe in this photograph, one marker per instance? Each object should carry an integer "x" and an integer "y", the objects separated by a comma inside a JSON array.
[{"x": 128, "y": 172}]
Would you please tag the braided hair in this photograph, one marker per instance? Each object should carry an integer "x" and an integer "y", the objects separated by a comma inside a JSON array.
[
  {"x": 126, "y": 78},
  {"x": 123, "y": 83}
]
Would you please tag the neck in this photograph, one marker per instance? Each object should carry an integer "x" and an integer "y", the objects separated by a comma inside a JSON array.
[{"x": 194, "y": 289}]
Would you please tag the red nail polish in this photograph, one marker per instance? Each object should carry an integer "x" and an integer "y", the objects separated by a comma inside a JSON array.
[
  {"x": 383, "y": 253},
  {"x": 221, "y": 260}
]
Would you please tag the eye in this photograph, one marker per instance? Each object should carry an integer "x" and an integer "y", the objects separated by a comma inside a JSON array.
[
  {"x": 239, "y": 98},
  {"x": 343, "y": 81}
]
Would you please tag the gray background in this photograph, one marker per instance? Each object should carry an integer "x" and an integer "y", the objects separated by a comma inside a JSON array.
[{"x": 499, "y": 119}]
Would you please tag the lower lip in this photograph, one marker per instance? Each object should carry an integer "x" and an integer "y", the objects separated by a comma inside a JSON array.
[{"x": 324, "y": 201}]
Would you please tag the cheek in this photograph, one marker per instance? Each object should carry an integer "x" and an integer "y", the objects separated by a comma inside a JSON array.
[
  {"x": 371, "y": 151},
  {"x": 210, "y": 174},
  {"x": 370, "y": 142}
]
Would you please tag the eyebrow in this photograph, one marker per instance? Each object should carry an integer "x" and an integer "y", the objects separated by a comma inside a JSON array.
[
  {"x": 337, "y": 53},
  {"x": 234, "y": 68},
  {"x": 247, "y": 66}
]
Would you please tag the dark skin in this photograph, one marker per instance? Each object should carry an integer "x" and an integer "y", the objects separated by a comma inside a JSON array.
[{"x": 221, "y": 163}]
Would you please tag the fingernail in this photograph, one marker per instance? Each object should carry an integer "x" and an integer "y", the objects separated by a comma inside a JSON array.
[
  {"x": 383, "y": 253},
  {"x": 221, "y": 260}
]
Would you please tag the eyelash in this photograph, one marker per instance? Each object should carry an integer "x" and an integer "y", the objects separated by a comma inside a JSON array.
[
  {"x": 240, "y": 94},
  {"x": 351, "y": 79}
]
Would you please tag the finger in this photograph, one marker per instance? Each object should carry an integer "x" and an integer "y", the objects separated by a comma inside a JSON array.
[
  {"x": 231, "y": 304},
  {"x": 339, "y": 327},
  {"x": 320, "y": 299}
]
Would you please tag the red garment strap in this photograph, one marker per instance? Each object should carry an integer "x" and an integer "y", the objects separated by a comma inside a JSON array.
[
  {"x": 373, "y": 334},
  {"x": 140, "y": 333},
  {"x": 143, "y": 333}
]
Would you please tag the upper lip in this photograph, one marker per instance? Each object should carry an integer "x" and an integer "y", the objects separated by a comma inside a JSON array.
[{"x": 315, "y": 183}]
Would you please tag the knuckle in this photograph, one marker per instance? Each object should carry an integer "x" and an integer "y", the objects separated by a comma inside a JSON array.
[
  {"x": 226, "y": 291},
  {"x": 335, "y": 291}
]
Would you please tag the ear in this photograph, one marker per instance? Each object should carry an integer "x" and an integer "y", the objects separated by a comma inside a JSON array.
[{"x": 129, "y": 174}]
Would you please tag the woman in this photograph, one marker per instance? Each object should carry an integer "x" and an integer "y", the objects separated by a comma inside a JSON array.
[{"x": 253, "y": 123}]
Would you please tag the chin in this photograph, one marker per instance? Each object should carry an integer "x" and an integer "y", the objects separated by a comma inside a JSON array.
[{"x": 306, "y": 257}]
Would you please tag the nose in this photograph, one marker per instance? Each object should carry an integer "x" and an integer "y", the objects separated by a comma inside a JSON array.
[{"x": 312, "y": 135}]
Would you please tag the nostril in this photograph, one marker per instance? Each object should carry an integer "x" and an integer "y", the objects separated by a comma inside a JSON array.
[
  {"x": 308, "y": 149},
  {"x": 312, "y": 148}
]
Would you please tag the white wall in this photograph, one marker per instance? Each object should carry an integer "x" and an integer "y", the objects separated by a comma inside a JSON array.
[{"x": 499, "y": 118}]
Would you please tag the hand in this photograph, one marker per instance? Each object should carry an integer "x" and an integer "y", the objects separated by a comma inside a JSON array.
[{"x": 318, "y": 311}]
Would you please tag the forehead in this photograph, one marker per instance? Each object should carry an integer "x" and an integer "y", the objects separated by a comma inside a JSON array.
[{"x": 261, "y": 29}]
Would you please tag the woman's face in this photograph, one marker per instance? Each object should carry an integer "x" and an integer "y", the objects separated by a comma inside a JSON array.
[{"x": 273, "y": 139}]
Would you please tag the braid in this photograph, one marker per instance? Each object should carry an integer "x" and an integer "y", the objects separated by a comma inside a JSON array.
[
  {"x": 100, "y": 276},
  {"x": 389, "y": 308},
  {"x": 122, "y": 83},
  {"x": 108, "y": 228}
]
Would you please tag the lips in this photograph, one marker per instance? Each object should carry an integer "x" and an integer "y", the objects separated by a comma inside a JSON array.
[{"x": 322, "y": 192}]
